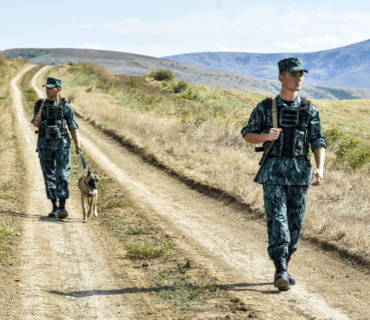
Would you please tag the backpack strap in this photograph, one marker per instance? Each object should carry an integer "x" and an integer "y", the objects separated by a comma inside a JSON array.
[
  {"x": 274, "y": 114},
  {"x": 272, "y": 103},
  {"x": 40, "y": 111}
]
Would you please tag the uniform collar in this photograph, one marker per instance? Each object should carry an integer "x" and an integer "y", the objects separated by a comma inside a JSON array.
[
  {"x": 295, "y": 104},
  {"x": 52, "y": 103}
]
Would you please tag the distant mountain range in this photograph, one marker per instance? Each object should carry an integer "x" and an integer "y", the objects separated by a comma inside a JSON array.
[
  {"x": 136, "y": 65},
  {"x": 341, "y": 67}
]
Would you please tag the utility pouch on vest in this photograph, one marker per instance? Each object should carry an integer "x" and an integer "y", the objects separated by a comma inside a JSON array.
[
  {"x": 53, "y": 130},
  {"x": 289, "y": 117},
  {"x": 298, "y": 144}
]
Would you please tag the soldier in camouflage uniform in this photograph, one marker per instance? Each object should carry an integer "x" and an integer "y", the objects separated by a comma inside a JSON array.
[
  {"x": 287, "y": 173},
  {"x": 54, "y": 144}
]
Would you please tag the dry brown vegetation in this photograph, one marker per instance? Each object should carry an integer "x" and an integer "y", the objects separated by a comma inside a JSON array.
[
  {"x": 8, "y": 153},
  {"x": 197, "y": 133}
]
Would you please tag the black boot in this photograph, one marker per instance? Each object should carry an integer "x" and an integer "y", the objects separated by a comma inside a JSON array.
[
  {"x": 281, "y": 275},
  {"x": 62, "y": 212},
  {"x": 54, "y": 212},
  {"x": 290, "y": 278}
]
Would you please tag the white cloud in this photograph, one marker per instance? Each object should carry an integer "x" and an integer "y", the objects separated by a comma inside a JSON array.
[{"x": 259, "y": 29}]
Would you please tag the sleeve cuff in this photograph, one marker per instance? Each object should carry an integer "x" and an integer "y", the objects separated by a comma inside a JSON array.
[
  {"x": 73, "y": 126},
  {"x": 319, "y": 143}
]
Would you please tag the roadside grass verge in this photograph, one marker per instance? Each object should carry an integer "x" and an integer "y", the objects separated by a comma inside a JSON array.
[
  {"x": 29, "y": 92},
  {"x": 4, "y": 233},
  {"x": 198, "y": 137},
  {"x": 11, "y": 166}
]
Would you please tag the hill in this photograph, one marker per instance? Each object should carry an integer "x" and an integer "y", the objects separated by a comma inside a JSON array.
[
  {"x": 132, "y": 64},
  {"x": 342, "y": 67}
]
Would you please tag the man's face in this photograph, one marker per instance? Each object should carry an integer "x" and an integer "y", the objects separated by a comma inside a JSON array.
[
  {"x": 52, "y": 93},
  {"x": 292, "y": 81}
]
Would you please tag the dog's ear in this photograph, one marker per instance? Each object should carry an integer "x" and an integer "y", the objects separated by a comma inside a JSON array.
[
  {"x": 96, "y": 172},
  {"x": 88, "y": 173}
]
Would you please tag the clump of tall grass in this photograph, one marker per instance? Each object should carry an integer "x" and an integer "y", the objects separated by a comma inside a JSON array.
[{"x": 144, "y": 250}]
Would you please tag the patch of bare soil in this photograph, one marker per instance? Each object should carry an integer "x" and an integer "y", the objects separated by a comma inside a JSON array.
[{"x": 215, "y": 234}]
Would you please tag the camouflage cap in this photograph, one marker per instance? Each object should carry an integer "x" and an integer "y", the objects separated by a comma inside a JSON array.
[
  {"x": 53, "y": 82},
  {"x": 292, "y": 65}
]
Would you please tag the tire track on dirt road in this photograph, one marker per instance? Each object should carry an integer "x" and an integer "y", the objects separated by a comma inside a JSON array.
[
  {"x": 233, "y": 249},
  {"x": 60, "y": 256}
]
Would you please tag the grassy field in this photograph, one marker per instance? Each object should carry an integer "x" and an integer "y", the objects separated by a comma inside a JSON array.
[
  {"x": 8, "y": 153},
  {"x": 195, "y": 131}
]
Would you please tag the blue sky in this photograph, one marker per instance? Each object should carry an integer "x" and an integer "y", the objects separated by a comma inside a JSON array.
[{"x": 163, "y": 27}]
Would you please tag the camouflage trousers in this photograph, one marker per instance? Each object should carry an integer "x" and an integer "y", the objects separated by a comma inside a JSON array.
[
  {"x": 56, "y": 165},
  {"x": 285, "y": 210}
]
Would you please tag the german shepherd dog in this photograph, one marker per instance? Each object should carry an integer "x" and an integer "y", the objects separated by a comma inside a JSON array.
[{"x": 88, "y": 185}]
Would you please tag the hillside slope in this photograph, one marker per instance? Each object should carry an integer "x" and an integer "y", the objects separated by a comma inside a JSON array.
[
  {"x": 343, "y": 67},
  {"x": 133, "y": 64}
]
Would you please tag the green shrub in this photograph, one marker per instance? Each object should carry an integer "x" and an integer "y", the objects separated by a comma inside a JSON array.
[
  {"x": 333, "y": 136},
  {"x": 180, "y": 87},
  {"x": 162, "y": 74},
  {"x": 132, "y": 84},
  {"x": 89, "y": 90},
  {"x": 352, "y": 152}
]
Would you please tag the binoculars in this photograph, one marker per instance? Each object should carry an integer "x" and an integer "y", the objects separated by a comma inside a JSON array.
[{"x": 52, "y": 130}]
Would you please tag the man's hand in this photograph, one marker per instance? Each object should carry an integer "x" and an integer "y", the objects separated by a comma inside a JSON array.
[
  {"x": 37, "y": 120},
  {"x": 317, "y": 177},
  {"x": 274, "y": 134},
  {"x": 78, "y": 148}
]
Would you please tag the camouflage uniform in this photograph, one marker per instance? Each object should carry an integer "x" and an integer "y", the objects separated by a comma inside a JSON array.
[
  {"x": 285, "y": 179},
  {"x": 54, "y": 154}
]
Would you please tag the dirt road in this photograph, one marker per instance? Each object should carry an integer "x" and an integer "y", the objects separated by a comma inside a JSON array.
[{"x": 58, "y": 256}]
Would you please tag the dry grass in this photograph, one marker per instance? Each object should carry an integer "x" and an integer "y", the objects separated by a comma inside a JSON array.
[
  {"x": 8, "y": 148},
  {"x": 212, "y": 150}
]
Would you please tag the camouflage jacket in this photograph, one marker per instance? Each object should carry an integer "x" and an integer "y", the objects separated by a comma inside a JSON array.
[
  {"x": 53, "y": 143},
  {"x": 280, "y": 170}
]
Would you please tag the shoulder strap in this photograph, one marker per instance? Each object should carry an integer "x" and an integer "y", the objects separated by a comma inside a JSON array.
[
  {"x": 40, "y": 110},
  {"x": 274, "y": 114}
]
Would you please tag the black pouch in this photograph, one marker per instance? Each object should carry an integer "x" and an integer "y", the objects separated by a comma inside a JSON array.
[{"x": 299, "y": 143}]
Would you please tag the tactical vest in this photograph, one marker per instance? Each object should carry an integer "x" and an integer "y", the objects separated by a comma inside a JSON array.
[
  {"x": 293, "y": 140},
  {"x": 53, "y": 116}
]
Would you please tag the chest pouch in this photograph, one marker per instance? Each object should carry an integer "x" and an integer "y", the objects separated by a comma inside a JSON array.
[{"x": 288, "y": 117}]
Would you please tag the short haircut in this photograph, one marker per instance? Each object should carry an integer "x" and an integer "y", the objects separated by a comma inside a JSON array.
[{"x": 282, "y": 73}]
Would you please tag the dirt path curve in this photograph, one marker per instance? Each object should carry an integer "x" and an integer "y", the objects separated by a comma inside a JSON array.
[
  {"x": 59, "y": 256},
  {"x": 233, "y": 249}
]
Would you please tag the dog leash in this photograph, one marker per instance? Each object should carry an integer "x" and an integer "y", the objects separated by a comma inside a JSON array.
[{"x": 83, "y": 161}]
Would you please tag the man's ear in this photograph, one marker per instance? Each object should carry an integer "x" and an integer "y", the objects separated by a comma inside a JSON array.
[{"x": 281, "y": 78}]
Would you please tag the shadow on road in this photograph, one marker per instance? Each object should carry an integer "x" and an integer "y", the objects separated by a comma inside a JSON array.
[
  {"x": 227, "y": 287},
  {"x": 43, "y": 218}
]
